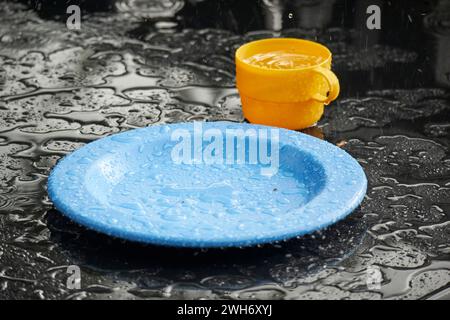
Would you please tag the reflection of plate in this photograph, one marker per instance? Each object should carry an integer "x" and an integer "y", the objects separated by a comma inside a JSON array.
[{"x": 129, "y": 186}]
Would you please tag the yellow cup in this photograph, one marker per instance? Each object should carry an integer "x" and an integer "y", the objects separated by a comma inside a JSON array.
[{"x": 290, "y": 98}]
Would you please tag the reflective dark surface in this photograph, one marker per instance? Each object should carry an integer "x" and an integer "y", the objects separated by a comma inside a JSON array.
[{"x": 137, "y": 63}]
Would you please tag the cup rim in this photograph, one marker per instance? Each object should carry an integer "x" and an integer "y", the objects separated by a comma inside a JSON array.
[{"x": 240, "y": 60}]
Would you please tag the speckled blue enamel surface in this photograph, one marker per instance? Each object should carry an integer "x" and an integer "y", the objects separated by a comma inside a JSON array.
[{"x": 127, "y": 186}]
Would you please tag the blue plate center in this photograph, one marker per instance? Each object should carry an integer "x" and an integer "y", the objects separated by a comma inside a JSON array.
[{"x": 153, "y": 190}]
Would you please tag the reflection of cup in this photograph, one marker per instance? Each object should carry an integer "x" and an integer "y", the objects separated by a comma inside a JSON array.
[
  {"x": 291, "y": 98},
  {"x": 314, "y": 131}
]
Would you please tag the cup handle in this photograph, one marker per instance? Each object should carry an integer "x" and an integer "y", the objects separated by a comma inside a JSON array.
[{"x": 333, "y": 83}]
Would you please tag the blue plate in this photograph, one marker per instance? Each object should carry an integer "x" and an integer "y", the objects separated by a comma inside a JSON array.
[{"x": 190, "y": 185}]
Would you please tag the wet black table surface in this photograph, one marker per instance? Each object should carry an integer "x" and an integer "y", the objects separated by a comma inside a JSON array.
[{"x": 139, "y": 63}]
